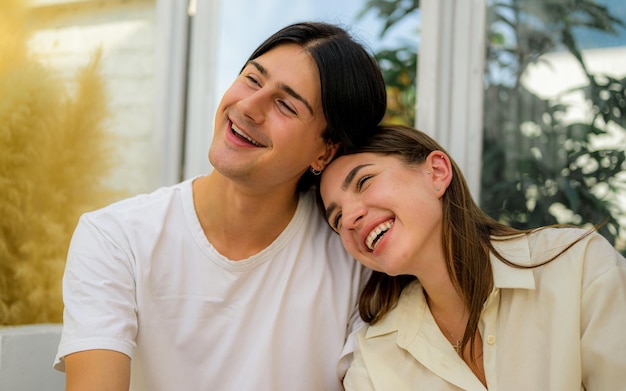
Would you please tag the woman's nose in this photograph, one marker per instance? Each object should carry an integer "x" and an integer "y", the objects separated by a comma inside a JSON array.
[{"x": 353, "y": 215}]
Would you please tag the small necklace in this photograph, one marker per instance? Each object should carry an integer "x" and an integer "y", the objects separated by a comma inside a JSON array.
[{"x": 457, "y": 344}]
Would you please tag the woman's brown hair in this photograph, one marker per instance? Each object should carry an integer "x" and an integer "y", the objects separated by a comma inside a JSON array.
[{"x": 467, "y": 234}]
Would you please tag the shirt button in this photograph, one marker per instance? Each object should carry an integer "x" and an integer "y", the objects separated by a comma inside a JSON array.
[{"x": 491, "y": 339}]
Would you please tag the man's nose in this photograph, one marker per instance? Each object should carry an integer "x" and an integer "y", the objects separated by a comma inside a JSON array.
[{"x": 255, "y": 105}]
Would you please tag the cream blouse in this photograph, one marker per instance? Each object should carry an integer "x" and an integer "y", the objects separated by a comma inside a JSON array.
[{"x": 557, "y": 327}]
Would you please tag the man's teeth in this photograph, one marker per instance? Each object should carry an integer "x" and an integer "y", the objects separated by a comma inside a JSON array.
[
  {"x": 243, "y": 135},
  {"x": 376, "y": 234}
]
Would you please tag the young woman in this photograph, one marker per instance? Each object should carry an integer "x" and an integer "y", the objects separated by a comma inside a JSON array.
[{"x": 459, "y": 301}]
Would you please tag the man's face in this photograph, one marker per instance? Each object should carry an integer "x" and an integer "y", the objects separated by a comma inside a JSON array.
[{"x": 269, "y": 124}]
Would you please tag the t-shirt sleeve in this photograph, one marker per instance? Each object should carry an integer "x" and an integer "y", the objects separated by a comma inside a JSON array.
[
  {"x": 98, "y": 289},
  {"x": 355, "y": 325}
]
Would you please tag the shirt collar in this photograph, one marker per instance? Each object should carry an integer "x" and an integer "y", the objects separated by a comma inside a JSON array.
[
  {"x": 515, "y": 249},
  {"x": 412, "y": 296}
]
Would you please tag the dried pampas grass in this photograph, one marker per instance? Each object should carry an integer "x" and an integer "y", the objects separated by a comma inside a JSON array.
[{"x": 54, "y": 154}]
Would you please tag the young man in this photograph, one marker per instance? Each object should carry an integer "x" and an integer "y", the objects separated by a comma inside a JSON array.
[{"x": 232, "y": 281}]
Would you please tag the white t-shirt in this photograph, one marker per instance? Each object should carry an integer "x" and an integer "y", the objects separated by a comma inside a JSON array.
[{"x": 142, "y": 279}]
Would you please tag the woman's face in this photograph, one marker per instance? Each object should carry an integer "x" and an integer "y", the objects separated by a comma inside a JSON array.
[{"x": 387, "y": 212}]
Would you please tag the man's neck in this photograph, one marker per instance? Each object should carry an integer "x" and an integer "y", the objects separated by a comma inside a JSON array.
[{"x": 238, "y": 222}]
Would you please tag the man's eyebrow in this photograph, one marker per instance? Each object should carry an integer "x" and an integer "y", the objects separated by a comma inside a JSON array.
[
  {"x": 259, "y": 67},
  {"x": 283, "y": 87},
  {"x": 344, "y": 186}
]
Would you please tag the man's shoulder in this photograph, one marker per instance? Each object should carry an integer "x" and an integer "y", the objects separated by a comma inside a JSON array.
[{"x": 143, "y": 207}]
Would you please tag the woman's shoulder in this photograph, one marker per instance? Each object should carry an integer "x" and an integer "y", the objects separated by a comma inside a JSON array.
[
  {"x": 568, "y": 239},
  {"x": 549, "y": 240}
]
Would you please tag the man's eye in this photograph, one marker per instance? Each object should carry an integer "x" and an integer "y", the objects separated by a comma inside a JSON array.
[
  {"x": 253, "y": 80},
  {"x": 287, "y": 107}
]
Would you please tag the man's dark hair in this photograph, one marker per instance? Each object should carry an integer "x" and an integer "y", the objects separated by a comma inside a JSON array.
[{"x": 354, "y": 98}]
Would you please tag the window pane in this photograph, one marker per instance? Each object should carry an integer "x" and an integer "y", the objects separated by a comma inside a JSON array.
[
  {"x": 554, "y": 124},
  {"x": 66, "y": 35}
]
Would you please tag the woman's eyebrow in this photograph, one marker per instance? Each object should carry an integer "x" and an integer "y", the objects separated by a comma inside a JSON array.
[
  {"x": 329, "y": 211},
  {"x": 283, "y": 86},
  {"x": 350, "y": 177},
  {"x": 344, "y": 186}
]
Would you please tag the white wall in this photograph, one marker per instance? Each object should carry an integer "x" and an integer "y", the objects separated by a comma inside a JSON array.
[
  {"x": 67, "y": 33},
  {"x": 26, "y": 357}
]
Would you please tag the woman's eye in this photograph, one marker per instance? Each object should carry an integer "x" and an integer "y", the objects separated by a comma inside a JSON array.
[
  {"x": 337, "y": 222},
  {"x": 361, "y": 182}
]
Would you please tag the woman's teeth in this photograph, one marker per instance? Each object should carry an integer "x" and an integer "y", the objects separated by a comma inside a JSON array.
[{"x": 374, "y": 237}]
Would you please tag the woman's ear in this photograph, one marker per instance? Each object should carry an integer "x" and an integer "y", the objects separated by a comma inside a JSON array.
[{"x": 438, "y": 163}]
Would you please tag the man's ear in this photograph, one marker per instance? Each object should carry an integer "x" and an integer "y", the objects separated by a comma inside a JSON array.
[
  {"x": 441, "y": 167},
  {"x": 327, "y": 155}
]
